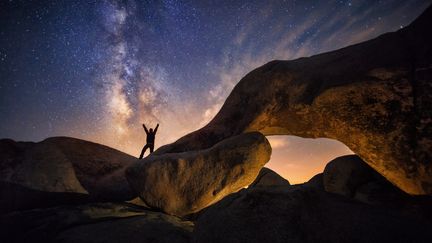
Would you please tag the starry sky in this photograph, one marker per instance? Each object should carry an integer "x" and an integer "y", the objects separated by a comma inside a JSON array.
[{"x": 97, "y": 70}]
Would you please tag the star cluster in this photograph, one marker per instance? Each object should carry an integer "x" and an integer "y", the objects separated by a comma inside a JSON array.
[{"x": 98, "y": 69}]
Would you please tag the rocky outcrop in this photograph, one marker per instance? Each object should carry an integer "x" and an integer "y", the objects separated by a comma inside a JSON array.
[
  {"x": 184, "y": 183},
  {"x": 374, "y": 97},
  {"x": 268, "y": 177},
  {"x": 62, "y": 166},
  {"x": 299, "y": 213},
  {"x": 97, "y": 222}
]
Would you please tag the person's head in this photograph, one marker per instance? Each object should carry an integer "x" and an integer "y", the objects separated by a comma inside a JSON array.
[{"x": 151, "y": 129}]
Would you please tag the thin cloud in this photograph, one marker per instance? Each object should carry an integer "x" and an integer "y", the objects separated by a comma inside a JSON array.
[{"x": 278, "y": 142}]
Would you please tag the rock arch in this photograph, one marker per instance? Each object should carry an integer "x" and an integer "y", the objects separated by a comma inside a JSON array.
[{"x": 375, "y": 97}]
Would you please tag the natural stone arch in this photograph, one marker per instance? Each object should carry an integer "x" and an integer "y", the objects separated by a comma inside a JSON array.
[{"x": 374, "y": 97}]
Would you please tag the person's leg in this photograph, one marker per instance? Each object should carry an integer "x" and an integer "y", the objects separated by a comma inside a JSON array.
[
  {"x": 151, "y": 148},
  {"x": 143, "y": 151}
]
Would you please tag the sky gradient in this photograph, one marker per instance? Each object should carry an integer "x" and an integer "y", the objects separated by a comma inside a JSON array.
[{"x": 97, "y": 70}]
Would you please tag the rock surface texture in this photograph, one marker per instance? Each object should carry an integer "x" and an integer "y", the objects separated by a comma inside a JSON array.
[
  {"x": 345, "y": 174},
  {"x": 267, "y": 177},
  {"x": 184, "y": 183},
  {"x": 375, "y": 97},
  {"x": 62, "y": 167},
  {"x": 96, "y": 222},
  {"x": 299, "y": 213},
  {"x": 351, "y": 177}
]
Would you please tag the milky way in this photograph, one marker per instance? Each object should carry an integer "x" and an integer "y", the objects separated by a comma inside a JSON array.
[{"x": 97, "y": 70}]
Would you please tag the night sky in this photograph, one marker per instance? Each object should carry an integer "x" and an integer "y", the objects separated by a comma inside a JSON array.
[{"x": 96, "y": 70}]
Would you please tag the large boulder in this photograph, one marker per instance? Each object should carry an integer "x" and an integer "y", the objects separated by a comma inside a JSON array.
[
  {"x": 61, "y": 166},
  {"x": 184, "y": 183},
  {"x": 343, "y": 175},
  {"x": 268, "y": 177},
  {"x": 95, "y": 222},
  {"x": 304, "y": 214},
  {"x": 350, "y": 176},
  {"x": 375, "y": 97}
]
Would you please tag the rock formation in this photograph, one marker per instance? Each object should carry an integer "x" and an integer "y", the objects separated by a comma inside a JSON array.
[
  {"x": 374, "y": 97},
  {"x": 351, "y": 177},
  {"x": 316, "y": 182},
  {"x": 299, "y": 213},
  {"x": 267, "y": 177},
  {"x": 184, "y": 183},
  {"x": 345, "y": 174},
  {"x": 96, "y": 222},
  {"x": 62, "y": 167}
]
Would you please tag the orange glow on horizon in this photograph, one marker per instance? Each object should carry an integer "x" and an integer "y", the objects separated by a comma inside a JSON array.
[{"x": 299, "y": 159}]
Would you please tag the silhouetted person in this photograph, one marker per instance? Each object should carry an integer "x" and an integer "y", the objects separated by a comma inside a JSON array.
[{"x": 150, "y": 140}]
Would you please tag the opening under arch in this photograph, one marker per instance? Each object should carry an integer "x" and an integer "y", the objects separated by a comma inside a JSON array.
[{"x": 298, "y": 159}]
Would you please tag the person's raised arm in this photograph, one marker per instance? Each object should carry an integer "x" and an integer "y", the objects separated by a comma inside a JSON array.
[
  {"x": 157, "y": 126},
  {"x": 145, "y": 129}
]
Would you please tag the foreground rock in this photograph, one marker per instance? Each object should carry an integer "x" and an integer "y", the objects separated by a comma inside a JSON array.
[
  {"x": 304, "y": 214},
  {"x": 316, "y": 182},
  {"x": 374, "y": 97},
  {"x": 350, "y": 176},
  {"x": 345, "y": 174},
  {"x": 61, "y": 166},
  {"x": 267, "y": 177},
  {"x": 183, "y": 183},
  {"x": 98, "y": 222}
]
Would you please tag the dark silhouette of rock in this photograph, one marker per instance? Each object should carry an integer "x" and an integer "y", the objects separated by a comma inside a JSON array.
[
  {"x": 64, "y": 166},
  {"x": 184, "y": 183},
  {"x": 97, "y": 222},
  {"x": 374, "y": 97},
  {"x": 154, "y": 227},
  {"x": 268, "y": 177},
  {"x": 350, "y": 176},
  {"x": 299, "y": 213},
  {"x": 316, "y": 182},
  {"x": 16, "y": 197},
  {"x": 380, "y": 191},
  {"x": 344, "y": 174}
]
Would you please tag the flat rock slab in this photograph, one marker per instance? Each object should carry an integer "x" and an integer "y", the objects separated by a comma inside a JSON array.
[
  {"x": 96, "y": 222},
  {"x": 184, "y": 183}
]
